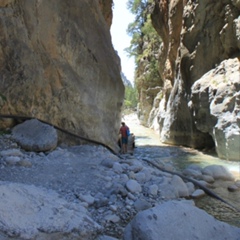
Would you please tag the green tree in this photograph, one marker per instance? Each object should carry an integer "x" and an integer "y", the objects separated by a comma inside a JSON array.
[
  {"x": 131, "y": 98},
  {"x": 145, "y": 44}
]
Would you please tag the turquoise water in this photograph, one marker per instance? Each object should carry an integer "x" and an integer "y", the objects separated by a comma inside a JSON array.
[
  {"x": 150, "y": 147},
  {"x": 180, "y": 156}
]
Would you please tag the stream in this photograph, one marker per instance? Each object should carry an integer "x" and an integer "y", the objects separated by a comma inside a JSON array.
[{"x": 148, "y": 146}]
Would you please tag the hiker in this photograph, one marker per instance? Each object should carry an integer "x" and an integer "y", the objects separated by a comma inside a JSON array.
[{"x": 124, "y": 131}]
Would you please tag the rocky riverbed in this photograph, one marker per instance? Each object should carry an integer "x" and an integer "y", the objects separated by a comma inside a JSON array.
[{"x": 87, "y": 192}]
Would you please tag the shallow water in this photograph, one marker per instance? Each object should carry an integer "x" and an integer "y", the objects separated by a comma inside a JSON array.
[{"x": 150, "y": 147}]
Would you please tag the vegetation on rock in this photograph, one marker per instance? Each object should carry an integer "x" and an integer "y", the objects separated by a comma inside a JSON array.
[{"x": 144, "y": 47}]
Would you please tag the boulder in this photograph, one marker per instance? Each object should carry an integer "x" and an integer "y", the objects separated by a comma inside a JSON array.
[
  {"x": 29, "y": 212},
  {"x": 178, "y": 220},
  {"x": 33, "y": 135},
  {"x": 180, "y": 186},
  {"x": 218, "y": 172}
]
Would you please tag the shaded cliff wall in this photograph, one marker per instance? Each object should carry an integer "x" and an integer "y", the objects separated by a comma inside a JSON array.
[
  {"x": 197, "y": 36},
  {"x": 57, "y": 63}
]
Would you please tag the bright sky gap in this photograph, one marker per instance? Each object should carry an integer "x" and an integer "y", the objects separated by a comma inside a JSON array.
[{"x": 120, "y": 39}]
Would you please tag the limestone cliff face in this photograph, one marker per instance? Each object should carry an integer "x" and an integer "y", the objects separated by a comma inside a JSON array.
[
  {"x": 197, "y": 36},
  {"x": 57, "y": 63}
]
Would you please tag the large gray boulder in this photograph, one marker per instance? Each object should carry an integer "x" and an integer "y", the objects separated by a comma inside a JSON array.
[
  {"x": 178, "y": 220},
  {"x": 29, "y": 212},
  {"x": 33, "y": 135}
]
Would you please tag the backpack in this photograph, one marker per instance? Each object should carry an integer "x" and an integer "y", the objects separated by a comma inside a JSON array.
[{"x": 128, "y": 132}]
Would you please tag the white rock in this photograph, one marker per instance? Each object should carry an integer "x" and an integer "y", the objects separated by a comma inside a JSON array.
[
  {"x": 180, "y": 186},
  {"x": 137, "y": 167},
  {"x": 87, "y": 198},
  {"x": 11, "y": 152},
  {"x": 191, "y": 187},
  {"x": 192, "y": 173},
  {"x": 218, "y": 172},
  {"x": 12, "y": 160},
  {"x": 124, "y": 178},
  {"x": 140, "y": 177},
  {"x": 131, "y": 196},
  {"x": 208, "y": 178},
  {"x": 153, "y": 190},
  {"x": 203, "y": 183},
  {"x": 141, "y": 204},
  {"x": 117, "y": 167},
  {"x": 113, "y": 208},
  {"x": 133, "y": 186},
  {"x": 112, "y": 218},
  {"x": 198, "y": 193}
]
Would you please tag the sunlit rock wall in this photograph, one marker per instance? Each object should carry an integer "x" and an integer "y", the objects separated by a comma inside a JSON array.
[
  {"x": 57, "y": 63},
  {"x": 197, "y": 36}
]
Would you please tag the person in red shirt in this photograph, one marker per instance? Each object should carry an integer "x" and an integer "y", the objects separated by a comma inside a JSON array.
[{"x": 124, "y": 130}]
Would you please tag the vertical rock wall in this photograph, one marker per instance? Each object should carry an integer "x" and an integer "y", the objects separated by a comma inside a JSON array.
[
  {"x": 197, "y": 36},
  {"x": 57, "y": 63}
]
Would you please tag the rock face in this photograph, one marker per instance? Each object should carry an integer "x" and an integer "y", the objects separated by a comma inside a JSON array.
[
  {"x": 198, "y": 37},
  {"x": 57, "y": 63},
  {"x": 216, "y": 107}
]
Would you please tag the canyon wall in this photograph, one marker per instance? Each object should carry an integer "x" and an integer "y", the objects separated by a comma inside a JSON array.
[
  {"x": 57, "y": 63},
  {"x": 198, "y": 110}
]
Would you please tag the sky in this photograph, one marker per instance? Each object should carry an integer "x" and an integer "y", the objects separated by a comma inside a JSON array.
[{"x": 120, "y": 39}]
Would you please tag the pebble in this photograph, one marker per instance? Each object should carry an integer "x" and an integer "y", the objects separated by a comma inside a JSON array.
[
  {"x": 208, "y": 179},
  {"x": 11, "y": 152},
  {"x": 117, "y": 167},
  {"x": 153, "y": 190},
  {"x": 112, "y": 218},
  {"x": 198, "y": 193},
  {"x": 233, "y": 188},
  {"x": 86, "y": 198},
  {"x": 12, "y": 160},
  {"x": 140, "y": 177},
  {"x": 133, "y": 186},
  {"x": 114, "y": 208},
  {"x": 141, "y": 204}
]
